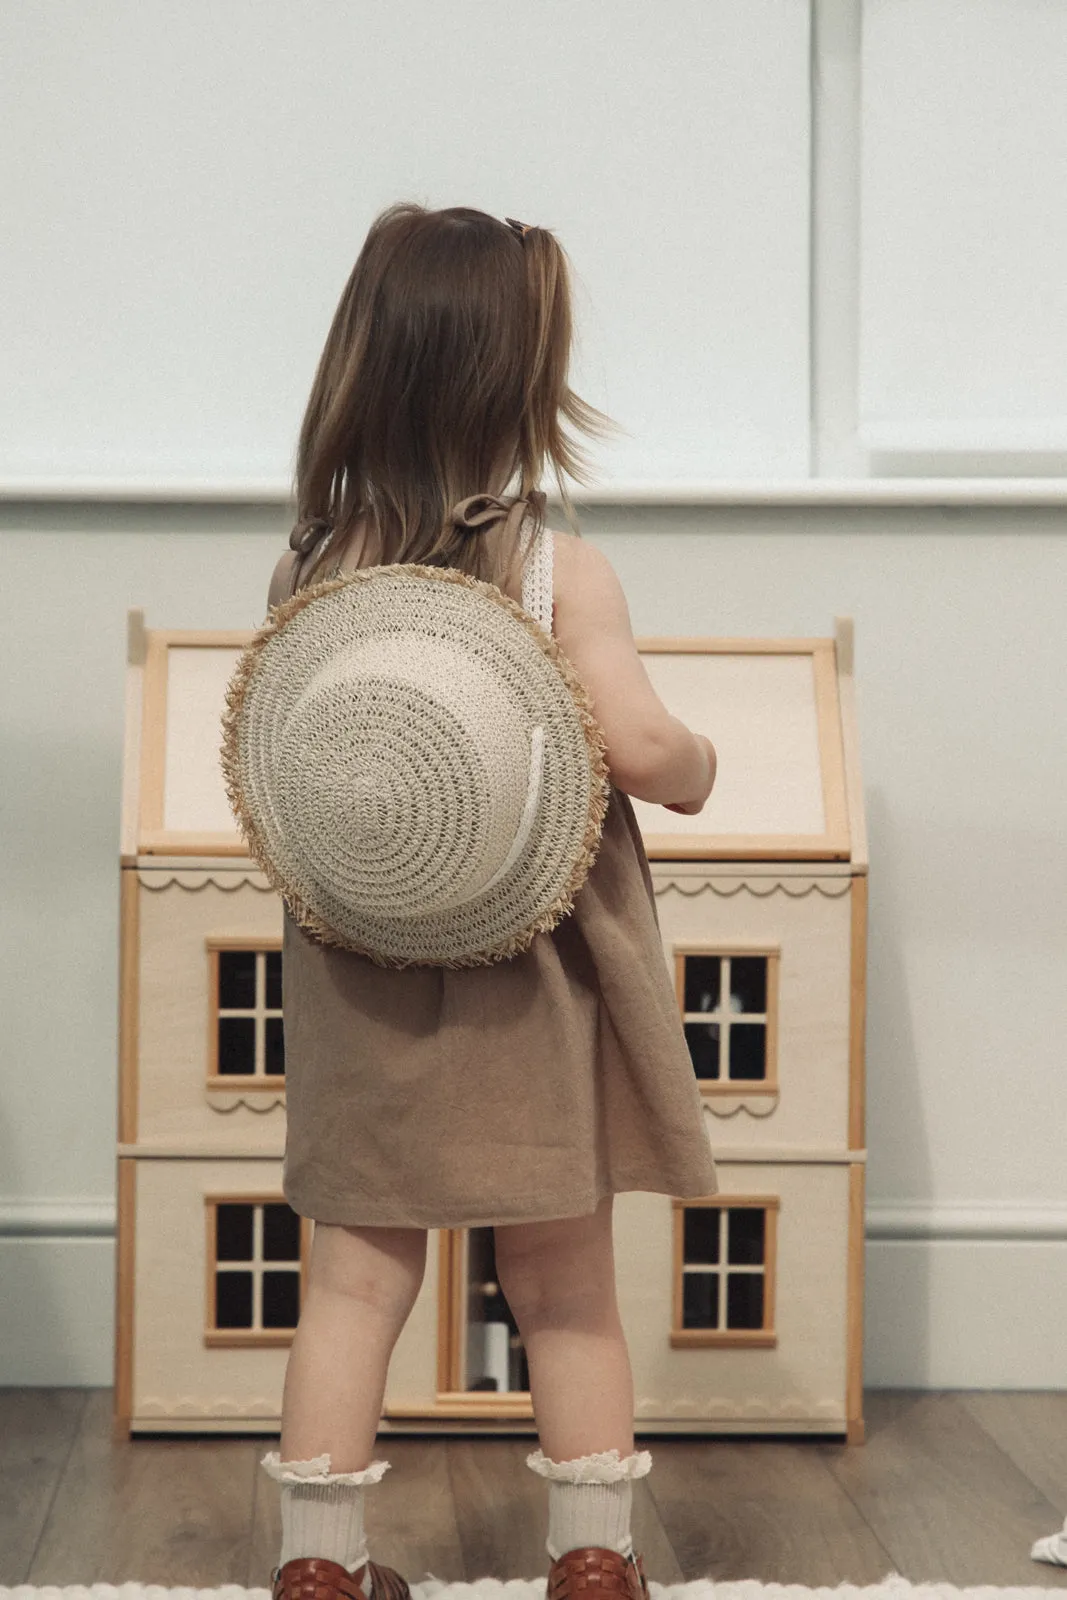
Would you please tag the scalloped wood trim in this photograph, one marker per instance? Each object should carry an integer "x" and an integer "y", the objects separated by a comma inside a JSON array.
[
  {"x": 257, "y": 1101},
  {"x": 777, "y": 886},
  {"x": 596, "y": 749},
  {"x": 722, "y": 1104},
  {"x": 791, "y": 1407},
  {"x": 195, "y": 881},
  {"x": 799, "y": 1409},
  {"x": 188, "y": 1405}
]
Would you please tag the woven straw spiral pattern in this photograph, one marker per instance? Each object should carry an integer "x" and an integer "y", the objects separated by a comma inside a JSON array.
[{"x": 415, "y": 766}]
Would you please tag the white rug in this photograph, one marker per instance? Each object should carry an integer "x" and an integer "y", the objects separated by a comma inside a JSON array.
[{"x": 892, "y": 1587}]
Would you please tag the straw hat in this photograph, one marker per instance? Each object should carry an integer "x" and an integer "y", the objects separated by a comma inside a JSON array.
[{"x": 414, "y": 764}]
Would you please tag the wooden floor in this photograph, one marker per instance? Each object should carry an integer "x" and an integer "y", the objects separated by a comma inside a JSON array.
[{"x": 951, "y": 1487}]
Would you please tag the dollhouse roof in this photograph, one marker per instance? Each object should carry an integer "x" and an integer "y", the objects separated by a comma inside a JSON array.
[{"x": 780, "y": 713}]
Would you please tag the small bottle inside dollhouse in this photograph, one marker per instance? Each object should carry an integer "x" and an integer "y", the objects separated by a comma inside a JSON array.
[{"x": 495, "y": 1358}]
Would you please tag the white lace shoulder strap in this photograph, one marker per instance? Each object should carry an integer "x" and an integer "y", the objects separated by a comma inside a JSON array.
[{"x": 537, "y": 575}]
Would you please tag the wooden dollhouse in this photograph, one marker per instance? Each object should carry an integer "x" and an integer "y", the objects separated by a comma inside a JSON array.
[{"x": 743, "y": 1311}]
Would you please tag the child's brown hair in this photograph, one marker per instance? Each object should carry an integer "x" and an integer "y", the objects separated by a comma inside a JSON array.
[{"x": 443, "y": 373}]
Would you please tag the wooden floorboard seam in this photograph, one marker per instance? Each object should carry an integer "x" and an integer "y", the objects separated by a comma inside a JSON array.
[
  {"x": 1008, "y": 1457},
  {"x": 890, "y": 1564},
  {"x": 61, "y": 1473}
]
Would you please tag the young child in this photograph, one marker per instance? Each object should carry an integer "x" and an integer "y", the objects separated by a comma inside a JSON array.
[{"x": 524, "y": 1094}]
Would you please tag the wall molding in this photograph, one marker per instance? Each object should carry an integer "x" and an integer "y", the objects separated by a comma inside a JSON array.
[
  {"x": 57, "y": 1219},
  {"x": 899, "y": 1220},
  {"x": 993, "y": 1222},
  {"x": 826, "y": 491}
]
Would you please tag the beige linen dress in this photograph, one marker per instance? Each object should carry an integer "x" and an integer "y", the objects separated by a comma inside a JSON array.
[{"x": 438, "y": 1097}]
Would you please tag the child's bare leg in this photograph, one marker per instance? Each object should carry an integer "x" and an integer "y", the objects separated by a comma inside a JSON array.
[
  {"x": 362, "y": 1285},
  {"x": 559, "y": 1280}
]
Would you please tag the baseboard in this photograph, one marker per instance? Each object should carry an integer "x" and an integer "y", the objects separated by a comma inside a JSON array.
[
  {"x": 957, "y": 1297},
  {"x": 57, "y": 1315},
  {"x": 970, "y": 1313}
]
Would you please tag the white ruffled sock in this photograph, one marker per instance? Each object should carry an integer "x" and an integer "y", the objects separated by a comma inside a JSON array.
[
  {"x": 322, "y": 1512},
  {"x": 589, "y": 1499}
]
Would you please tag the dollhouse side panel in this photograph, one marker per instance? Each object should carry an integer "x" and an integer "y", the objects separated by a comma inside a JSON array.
[
  {"x": 193, "y": 798},
  {"x": 131, "y": 745},
  {"x": 176, "y": 1373},
  {"x": 179, "y": 913},
  {"x": 800, "y": 1377},
  {"x": 802, "y": 926}
]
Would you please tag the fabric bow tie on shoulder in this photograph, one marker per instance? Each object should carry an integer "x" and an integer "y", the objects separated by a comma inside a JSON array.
[
  {"x": 475, "y": 513},
  {"x": 482, "y": 510}
]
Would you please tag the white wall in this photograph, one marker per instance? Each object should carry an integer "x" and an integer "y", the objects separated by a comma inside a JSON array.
[
  {"x": 203, "y": 174},
  {"x": 961, "y": 661}
]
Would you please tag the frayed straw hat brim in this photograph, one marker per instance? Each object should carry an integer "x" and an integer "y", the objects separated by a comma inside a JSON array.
[{"x": 540, "y": 888}]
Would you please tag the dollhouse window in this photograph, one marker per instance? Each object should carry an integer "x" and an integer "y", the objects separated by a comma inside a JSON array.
[
  {"x": 725, "y": 1257},
  {"x": 482, "y": 1367},
  {"x": 729, "y": 1004},
  {"x": 246, "y": 1031},
  {"x": 256, "y": 1259}
]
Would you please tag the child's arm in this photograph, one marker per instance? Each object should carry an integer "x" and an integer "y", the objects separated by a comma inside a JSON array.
[{"x": 651, "y": 754}]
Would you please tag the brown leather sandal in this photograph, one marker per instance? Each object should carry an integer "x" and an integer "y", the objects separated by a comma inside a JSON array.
[
  {"x": 315, "y": 1578},
  {"x": 596, "y": 1569}
]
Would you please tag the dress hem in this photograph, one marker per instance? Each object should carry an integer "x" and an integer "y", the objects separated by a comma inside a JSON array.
[{"x": 497, "y": 1220}]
